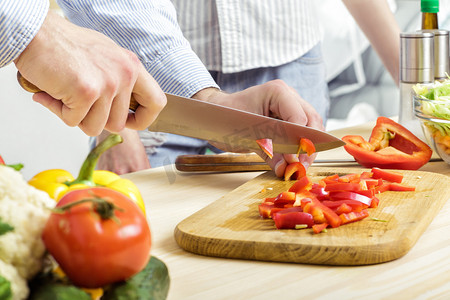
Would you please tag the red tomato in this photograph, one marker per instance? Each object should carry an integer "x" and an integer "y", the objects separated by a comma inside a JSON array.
[{"x": 92, "y": 251}]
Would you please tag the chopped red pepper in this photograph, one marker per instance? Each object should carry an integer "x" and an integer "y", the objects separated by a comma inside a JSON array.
[
  {"x": 390, "y": 146},
  {"x": 2, "y": 162},
  {"x": 318, "y": 228},
  {"x": 391, "y": 176},
  {"x": 266, "y": 146},
  {"x": 344, "y": 195},
  {"x": 301, "y": 185},
  {"x": 306, "y": 146},
  {"x": 288, "y": 219},
  {"x": 353, "y": 216},
  {"x": 397, "y": 187},
  {"x": 294, "y": 171}
]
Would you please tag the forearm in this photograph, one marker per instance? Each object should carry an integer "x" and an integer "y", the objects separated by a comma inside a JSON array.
[
  {"x": 19, "y": 23},
  {"x": 149, "y": 29},
  {"x": 379, "y": 25}
]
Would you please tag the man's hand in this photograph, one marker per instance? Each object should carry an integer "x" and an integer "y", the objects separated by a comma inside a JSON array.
[
  {"x": 129, "y": 156},
  {"x": 88, "y": 79},
  {"x": 274, "y": 99}
]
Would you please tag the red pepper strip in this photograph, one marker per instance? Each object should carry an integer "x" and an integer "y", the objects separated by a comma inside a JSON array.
[
  {"x": 372, "y": 183},
  {"x": 343, "y": 186},
  {"x": 288, "y": 220},
  {"x": 306, "y": 146},
  {"x": 316, "y": 212},
  {"x": 382, "y": 188},
  {"x": 344, "y": 208},
  {"x": 2, "y": 162},
  {"x": 352, "y": 177},
  {"x": 294, "y": 171},
  {"x": 391, "y": 176},
  {"x": 284, "y": 198},
  {"x": 368, "y": 193},
  {"x": 320, "y": 193},
  {"x": 397, "y": 187},
  {"x": 351, "y": 196},
  {"x": 375, "y": 202},
  {"x": 331, "y": 217},
  {"x": 318, "y": 228},
  {"x": 301, "y": 185},
  {"x": 366, "y": 175},
  {"x": 391, "y": 146},
  {"x": 264, "y": 210},
  {"x": 353, "y": 216},
  {"x": 266, "y": 146},
  {"x": 354, "y": 205}
]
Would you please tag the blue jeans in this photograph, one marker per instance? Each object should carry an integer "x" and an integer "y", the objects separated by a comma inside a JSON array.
[{"x": 306, "y": 75}]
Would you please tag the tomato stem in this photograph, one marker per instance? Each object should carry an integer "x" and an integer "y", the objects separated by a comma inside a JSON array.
[{"x": 105, "y": 209}]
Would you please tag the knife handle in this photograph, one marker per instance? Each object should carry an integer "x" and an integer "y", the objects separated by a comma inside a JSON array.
[
  {"x": 226, "y": 162},
  {"x": 28, "y": 86}
]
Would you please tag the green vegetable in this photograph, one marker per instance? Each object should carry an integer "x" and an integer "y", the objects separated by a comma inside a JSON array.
[
  {"x": 58, "y": 291},
  {"x": 152, "y": 283},
  {"x": 5, "y": 289},
  {"x": 5, "y": 228}
]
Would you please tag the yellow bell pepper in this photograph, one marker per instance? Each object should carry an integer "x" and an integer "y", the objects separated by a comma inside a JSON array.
[{"x": 56, "y": 182}]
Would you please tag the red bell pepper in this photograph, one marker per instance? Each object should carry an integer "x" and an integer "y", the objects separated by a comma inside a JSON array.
[
  {"x": 2, "y": 162},
  {"x": 397, "y": 187},
  {"x": 390, "y": 146},
  {"x": 353, "y": 216},
  {"x": 266, "y": 146},
  {"x": 306, "y": 146},
  {"x": 301, "y": 185},
  {"x": 391, "y": 176},
  {"x": 286, "y": 219},
  {"x": 294, "y": 171},
  {"x": 318, "y": 228}
]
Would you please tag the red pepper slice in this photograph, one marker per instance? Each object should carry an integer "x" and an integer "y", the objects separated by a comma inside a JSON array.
[
  {"x": 2, "y": 162},
  {"x": 391, "y": 176},
  {"x": 343, "y": 186},
  {"x": 294, "y": 171},
  {"x": 266, "y": 146},
  {"x": 353, "y": 216},
  {"x": 301, "y": 185},
  {"x": 288, "y": 219},
  {"x": 350, "y": 196},
  {"x": 306, "y": 146},
  {"x": 390, "y": 146},
  {"x": 318, "y": 228},
  {"x": 397, "y": 187}
]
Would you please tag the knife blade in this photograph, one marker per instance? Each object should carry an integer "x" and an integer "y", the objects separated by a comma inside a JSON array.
[{"x": 234, "y": 128}]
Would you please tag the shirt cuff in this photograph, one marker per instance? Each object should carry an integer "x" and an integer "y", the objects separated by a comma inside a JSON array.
[
  {"x": 19, "y": 22},
  {"x": 179, "y": 71}
]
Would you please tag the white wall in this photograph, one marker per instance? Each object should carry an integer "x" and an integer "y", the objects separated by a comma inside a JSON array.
[{"x": 34, "y": 136}]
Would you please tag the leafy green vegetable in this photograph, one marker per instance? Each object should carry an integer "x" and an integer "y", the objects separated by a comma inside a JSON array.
[
  {"x": 5, "y": 228},
  {"x": 436, "y": 105},
  {"x": 5, "y": 289}
]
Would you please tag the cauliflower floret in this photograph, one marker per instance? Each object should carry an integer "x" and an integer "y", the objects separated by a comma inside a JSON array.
[
  {"x": 27, "y": 210},
  {"x": 19, "y": 285}
]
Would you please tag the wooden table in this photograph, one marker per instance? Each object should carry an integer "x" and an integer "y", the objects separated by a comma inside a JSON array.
[{"x": 171, "y": 196}]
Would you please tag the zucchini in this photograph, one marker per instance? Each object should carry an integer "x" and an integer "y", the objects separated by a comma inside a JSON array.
[{"x": 152, "y": 283}]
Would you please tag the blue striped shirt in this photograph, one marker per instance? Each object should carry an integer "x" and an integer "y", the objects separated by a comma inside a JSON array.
[
  {"x": 149, "y": 29},
  {"x": 20, "y": 20},
  {"x": 237, "y": 35}
]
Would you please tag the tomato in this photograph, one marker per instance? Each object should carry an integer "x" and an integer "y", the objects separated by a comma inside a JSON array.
[{"x": 92, "y": 249}]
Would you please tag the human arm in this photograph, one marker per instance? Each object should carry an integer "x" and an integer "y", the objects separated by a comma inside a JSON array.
[{"x": 380, "y": 27}]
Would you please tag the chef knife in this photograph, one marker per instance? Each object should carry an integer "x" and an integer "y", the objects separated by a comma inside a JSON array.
[{"x": 235, "y": 129}]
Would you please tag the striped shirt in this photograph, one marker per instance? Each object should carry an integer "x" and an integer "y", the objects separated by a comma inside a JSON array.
[
  {"x": 149, "y": 29},
  {"x": 20, "y": 20},
  {"x": 235, "y": 35}
]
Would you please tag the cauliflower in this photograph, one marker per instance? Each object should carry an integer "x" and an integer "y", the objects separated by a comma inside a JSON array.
[{"x": 26, "y": 209}]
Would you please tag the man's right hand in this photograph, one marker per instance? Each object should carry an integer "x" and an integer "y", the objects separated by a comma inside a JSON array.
[{"x": 88, "y": 79}]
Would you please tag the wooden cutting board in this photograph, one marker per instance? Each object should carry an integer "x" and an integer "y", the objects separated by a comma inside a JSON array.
[{"x": 231, "y": 227}]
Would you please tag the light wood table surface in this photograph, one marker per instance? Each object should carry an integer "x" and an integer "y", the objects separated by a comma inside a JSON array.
[{"x": 171, "y": 196}]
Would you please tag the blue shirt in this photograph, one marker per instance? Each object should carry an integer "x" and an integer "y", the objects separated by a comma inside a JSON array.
[
  {"x": 149, "y": 29},
  {"x": 20, "y": 20}
]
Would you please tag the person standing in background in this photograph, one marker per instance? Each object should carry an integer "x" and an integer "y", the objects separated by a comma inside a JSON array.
[{"x": 246, "y": 43}]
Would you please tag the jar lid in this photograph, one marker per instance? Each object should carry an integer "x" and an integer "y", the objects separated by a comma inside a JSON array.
[{"x": 429, "y": 6}]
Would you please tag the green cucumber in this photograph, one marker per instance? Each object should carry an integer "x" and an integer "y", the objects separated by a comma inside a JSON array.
[{"x": 152, "y": 283}]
